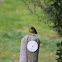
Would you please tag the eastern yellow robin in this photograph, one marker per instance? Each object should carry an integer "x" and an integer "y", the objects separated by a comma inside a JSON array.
[{"x": 32, "y": 30}]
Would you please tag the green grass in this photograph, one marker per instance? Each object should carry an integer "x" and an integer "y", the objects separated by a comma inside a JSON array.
[
  {"x": 10, "y": 47},
  {"x": 15, "y": 21}
]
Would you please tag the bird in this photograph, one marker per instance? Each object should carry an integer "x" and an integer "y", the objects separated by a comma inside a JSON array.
[{"x": 32, "y": 30}]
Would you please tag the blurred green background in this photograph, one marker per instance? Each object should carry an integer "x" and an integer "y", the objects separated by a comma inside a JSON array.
[{"x": 15, "y": 21}]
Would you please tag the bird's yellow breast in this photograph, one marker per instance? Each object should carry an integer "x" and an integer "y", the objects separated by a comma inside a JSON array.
[{"x": 31, "y": 31}]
